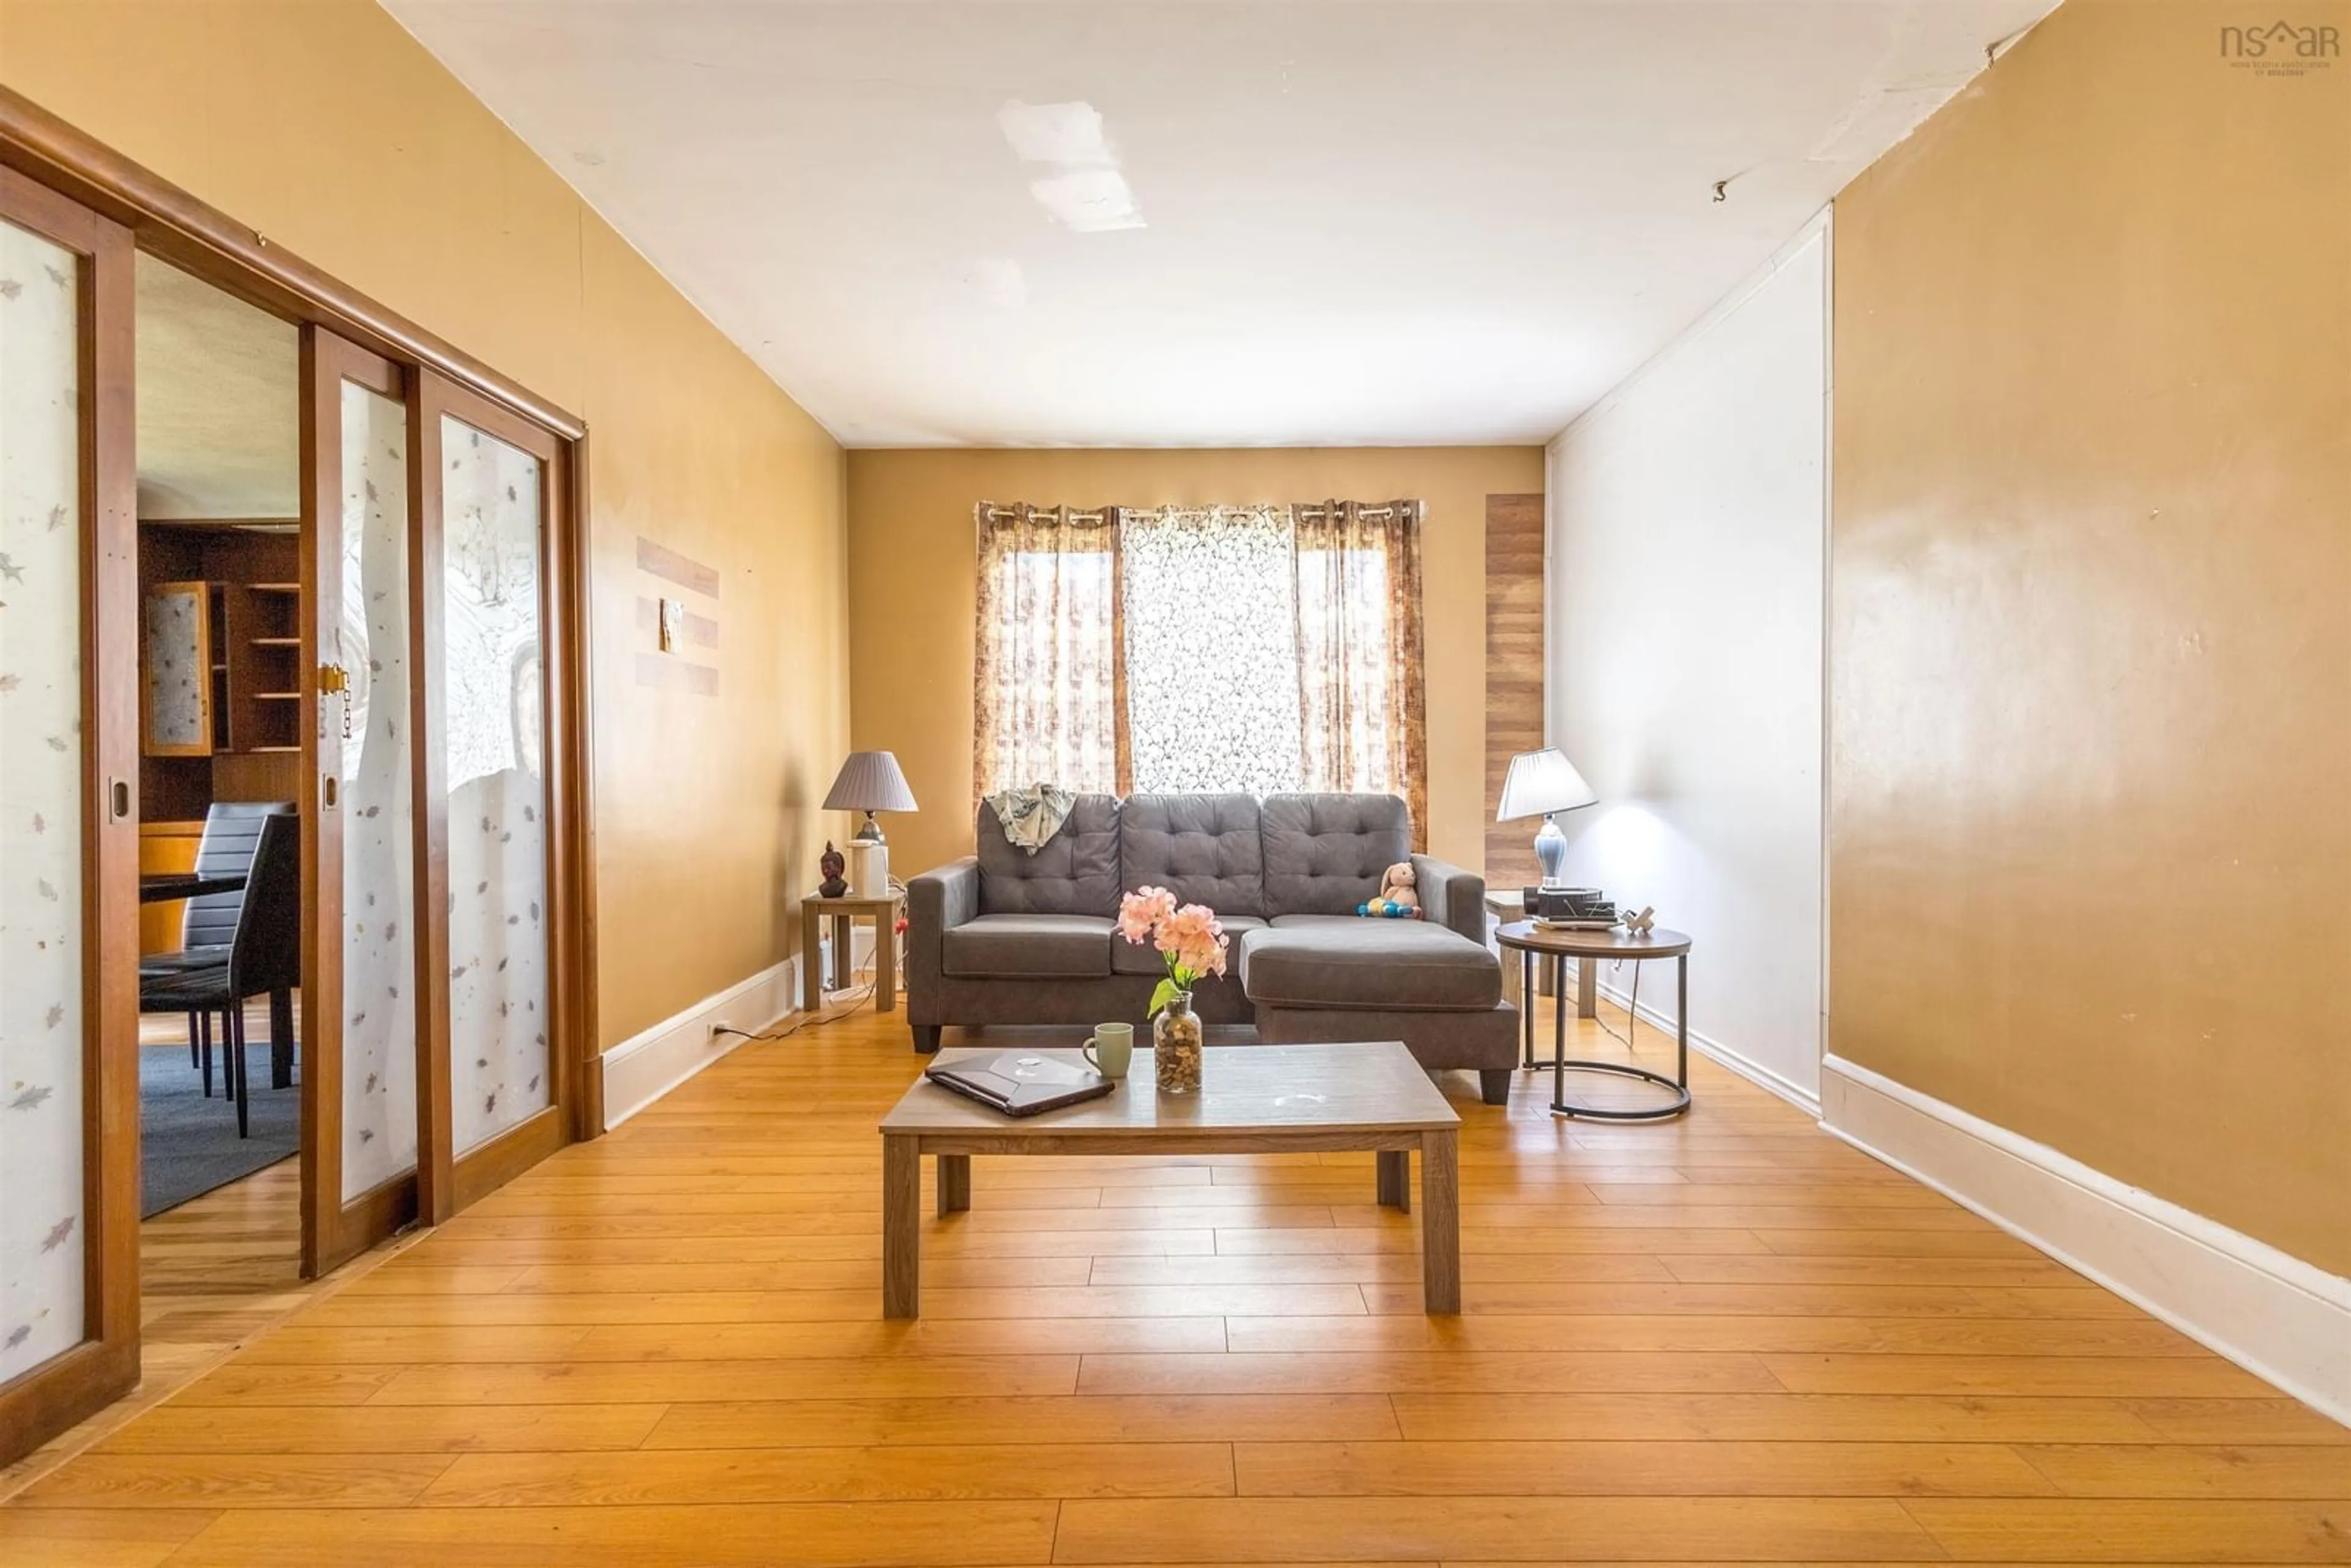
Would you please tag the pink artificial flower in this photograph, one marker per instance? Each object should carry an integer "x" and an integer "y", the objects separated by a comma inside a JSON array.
[
  {"x": 1205, "y": 959},
  {"x": 1140, "y": 912},
  {"x": 1193, "y": 938}
]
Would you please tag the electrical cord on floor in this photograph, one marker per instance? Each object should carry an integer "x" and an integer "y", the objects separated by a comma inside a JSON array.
[
  {"x": 831, "y": 1012},
  {"x": 1632, "y": 1012}
]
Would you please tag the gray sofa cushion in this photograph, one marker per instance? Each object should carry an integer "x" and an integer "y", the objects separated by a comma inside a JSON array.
[
  {"x": 1076, "y": 871},
  {"x": 1131, "y": 959},
  {"x": 1204, "y": 849},
  {"x": 1408, "y": 966},
  {"x": 1324, "y": 853},
  {"x": 1028, "y": 947}
]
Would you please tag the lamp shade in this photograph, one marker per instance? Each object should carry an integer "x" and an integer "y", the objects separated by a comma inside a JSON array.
[
  {"x": 1541, "y": 782},
  {"x": 870, "y": 782}
]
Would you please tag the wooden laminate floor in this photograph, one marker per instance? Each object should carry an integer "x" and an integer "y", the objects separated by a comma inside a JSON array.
[
  {"x": 1726, "y": 1339},
  {"x": 214, "y": 1273}
]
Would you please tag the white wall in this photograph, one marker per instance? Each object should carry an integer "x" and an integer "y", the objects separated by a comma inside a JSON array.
[{"x": 1687, "y": 521}]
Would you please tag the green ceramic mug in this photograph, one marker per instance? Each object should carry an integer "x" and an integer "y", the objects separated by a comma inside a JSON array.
[{"x": 1112, "y": 1049}]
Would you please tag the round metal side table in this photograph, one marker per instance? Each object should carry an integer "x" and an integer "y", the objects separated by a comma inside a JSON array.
[{"x": 1532, "y": 943}]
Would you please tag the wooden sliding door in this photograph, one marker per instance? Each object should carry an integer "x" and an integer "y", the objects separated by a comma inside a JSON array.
[
  {"x": 446, "y": 961},
  {"x": 68, "y": 821},
  {"x": 495, "y": 786},
  {"x": 360, "y": 952}
]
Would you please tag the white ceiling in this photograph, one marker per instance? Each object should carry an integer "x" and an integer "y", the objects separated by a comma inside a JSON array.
[
  {"x": 219, "y": 390},
  {"x": 1293, "y": 224}
]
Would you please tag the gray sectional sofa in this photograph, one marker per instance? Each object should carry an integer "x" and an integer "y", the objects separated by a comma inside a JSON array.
[{"x": 1007, "y": 937}]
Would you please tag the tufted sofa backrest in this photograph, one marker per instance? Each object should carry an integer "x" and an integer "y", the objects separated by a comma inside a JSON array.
[
  {"x": 1290, "y": 854},
  {"x": 1324, "y": 853},
  {"x": 1074, "y": 873},
  {"x": 1205, "y": 849}
]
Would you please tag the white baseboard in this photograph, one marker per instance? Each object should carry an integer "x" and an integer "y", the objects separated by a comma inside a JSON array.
[
  {"x": 1714, "y": 1050},
  {"x": 2281, "y": 1319},
  {"x": 648, "y": 1065}
]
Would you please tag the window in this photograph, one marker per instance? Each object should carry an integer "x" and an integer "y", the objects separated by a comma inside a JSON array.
[
  {"x": 1211, "y": 649},
  {"x": 1221, "y": 648}
]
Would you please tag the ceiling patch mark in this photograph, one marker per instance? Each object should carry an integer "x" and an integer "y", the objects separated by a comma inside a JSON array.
[
  {"x": 1085, "y": 192},
  {"x": 1069, "y": 134},
  {"x": 1089, "y": 201}
]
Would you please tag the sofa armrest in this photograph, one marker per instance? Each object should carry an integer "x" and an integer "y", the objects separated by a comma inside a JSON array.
[
  {"x": 1450, "y": 896},
  {"x": 938, "y": 902}
]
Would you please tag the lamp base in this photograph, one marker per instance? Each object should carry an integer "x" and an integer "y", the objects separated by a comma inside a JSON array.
[
  {"x": 868, "y": 868},
  {"x": 869, "y": 832},
  {"x": 1550, "y": 850}
]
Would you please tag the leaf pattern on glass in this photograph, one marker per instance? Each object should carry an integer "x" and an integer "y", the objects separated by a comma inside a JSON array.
[
  {"x": 175, "y": 708},
  {"x": 41, "y": 1022},
  {"x": 492, "y": 531},
  {"x": 378, "y": 1045}
]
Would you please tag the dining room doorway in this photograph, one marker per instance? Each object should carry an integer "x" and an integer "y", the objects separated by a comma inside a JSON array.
[{"x": 220, "y": 785}]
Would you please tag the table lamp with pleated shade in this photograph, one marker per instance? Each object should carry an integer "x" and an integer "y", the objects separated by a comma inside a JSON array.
[
  {"x": 869, "y": 782},
  {"x": 1539, "y": 784}
]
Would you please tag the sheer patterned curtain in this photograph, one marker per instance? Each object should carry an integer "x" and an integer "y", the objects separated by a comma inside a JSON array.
[
  {"x": 1201, "y": 648},
  {"x": 1046, "y": 688},
  {"x": 1362, "y": 702},
  {"x": 1209, "y": 599}
]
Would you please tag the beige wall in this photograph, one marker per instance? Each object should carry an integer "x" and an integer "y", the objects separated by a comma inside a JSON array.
[
  {"x": 2091, "y": 671},
  {"x": 911, "y": 584},
  {"x": 328, "y": 128}
]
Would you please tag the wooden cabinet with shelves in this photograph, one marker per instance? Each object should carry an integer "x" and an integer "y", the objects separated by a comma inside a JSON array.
[
  {"x": 266, "y": 667},
  {"x": 237, "y": 584}
]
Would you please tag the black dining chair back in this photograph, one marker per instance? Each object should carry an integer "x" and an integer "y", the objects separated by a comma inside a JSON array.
[
  {"x": 263, "y": 957},
  {"x": 232, "y": 832},
  {"x": 266, "y": 952}
]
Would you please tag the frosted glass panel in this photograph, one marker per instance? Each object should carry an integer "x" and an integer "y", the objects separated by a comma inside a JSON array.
[
  {"x": 178, "y": 670},
  {"x": 379, "y": 849},
  {"x": 497, "y": 790},
  {"x": 42, "y": 1225}
]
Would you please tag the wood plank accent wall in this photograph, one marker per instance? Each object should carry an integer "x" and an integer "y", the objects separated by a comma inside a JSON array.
[
  {"x": 692, "y": 667},
  {"x": 1514, "y": 671}
]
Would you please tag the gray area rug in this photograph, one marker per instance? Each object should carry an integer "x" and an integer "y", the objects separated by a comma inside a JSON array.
[{"x": 188, "y": 1144}]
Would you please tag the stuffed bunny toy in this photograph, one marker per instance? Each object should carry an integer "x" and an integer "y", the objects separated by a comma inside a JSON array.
[{"x": 1396, "y": 900}]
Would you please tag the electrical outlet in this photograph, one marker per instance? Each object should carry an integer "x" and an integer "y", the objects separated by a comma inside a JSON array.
[{"x": 718, "y": 1028}]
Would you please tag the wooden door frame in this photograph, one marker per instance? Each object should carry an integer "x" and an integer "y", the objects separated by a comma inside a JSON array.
[
  {"x": 332, "y": 1229},
  {"x": 38, "y": 1403},
  {"x": 198, "y": 237},
  {"x": 54, "y": 158},
  {"x": 448, "y": 1180}
]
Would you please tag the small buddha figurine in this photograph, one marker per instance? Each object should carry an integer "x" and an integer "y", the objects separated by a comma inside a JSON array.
[{"x": 832, "y": 863}]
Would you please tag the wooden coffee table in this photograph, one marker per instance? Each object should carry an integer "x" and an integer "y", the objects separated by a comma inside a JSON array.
[{"x": 1253, "y": 1099}]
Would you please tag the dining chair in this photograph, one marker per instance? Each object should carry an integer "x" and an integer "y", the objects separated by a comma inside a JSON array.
[
  {"x": 208, "y": 921},
  {"x": 263, "y": 956}
]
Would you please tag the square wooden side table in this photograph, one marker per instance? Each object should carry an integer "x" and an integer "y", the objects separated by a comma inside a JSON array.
[{"x": 845, "y": 913}]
